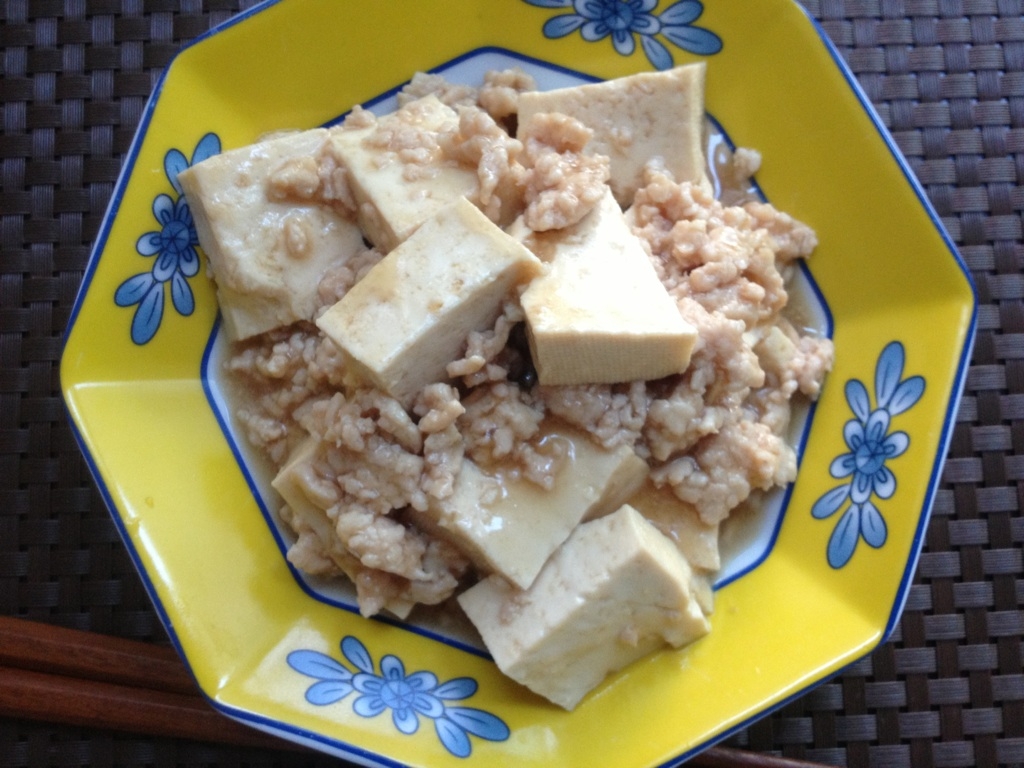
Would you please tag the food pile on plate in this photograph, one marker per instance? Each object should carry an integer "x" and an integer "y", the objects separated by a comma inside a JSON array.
[{"x": 508, "y": 349}]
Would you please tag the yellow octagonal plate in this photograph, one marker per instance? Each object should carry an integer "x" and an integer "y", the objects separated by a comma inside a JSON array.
[{"x": 827, "y": 575}]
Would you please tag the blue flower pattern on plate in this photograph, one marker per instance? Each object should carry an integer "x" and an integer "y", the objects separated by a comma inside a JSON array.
[
  {"x": 625, "y": 20},
  {"x": 173, "y": 245},
  {"x": 407, "y": 696},
  {"x": 871, "y": 446}
]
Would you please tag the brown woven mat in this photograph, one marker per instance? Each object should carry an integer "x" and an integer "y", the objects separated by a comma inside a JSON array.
[{"x": 948, "y": 79}]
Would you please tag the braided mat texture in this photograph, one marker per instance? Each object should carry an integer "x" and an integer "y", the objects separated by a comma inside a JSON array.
[{"x": 947, "y": 77}]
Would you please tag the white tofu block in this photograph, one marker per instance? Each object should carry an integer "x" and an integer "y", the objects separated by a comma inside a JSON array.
[
  {"x": 600, "y": 314},
  {"x": 267, "y": 255},
  {"x": 291, "y": 483},
  {"x": 615, "y": 591},
  {"x": 396, "y": 173},
  {"x": 411, "y": 314},
  {"x": 511, "y": 526},
  {"x": 680, "y": 523},
  {"x": 634, "y": 119},
  {"x": 309, "y": 516}
]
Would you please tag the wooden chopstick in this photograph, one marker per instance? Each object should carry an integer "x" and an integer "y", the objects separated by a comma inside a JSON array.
[
  {"x": 60, "y": 675},
  {"x": 727, "y": 757},
  {"x": 59, "y": 651},
  {"x": 90, "y": 703}
]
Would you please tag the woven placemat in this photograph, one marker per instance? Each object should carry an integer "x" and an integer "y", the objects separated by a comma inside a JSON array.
[{"x": 947, "y": 77}]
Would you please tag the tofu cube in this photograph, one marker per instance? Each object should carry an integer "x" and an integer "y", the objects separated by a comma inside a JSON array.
[
  {"x": 682, "y": 524},
  {"x": 289, "y": 479},
  {"x": 615, "y": 591},
  {"x": 634, "y": 119},
  {"x": 511, "y": 526},
  {"x": 267, "y": 255},
  {"x": 411, "y": 314},
  {"x": 600, "y": 314},
  {"x": 307, "y": 515},
  {"x": 309, "y": 520},
  {"x": 395, "y": 170}
]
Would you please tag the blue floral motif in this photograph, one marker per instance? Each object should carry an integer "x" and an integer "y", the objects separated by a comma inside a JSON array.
[
  {"x": 407, "y": 696},
  {"x": 871, "y": 446},
  {"x": 173, "y": 245},
  {"x": 624, "y": 20}
]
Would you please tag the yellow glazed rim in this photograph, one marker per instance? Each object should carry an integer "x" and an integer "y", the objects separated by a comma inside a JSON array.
[{"x": 266, "y": 649}]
